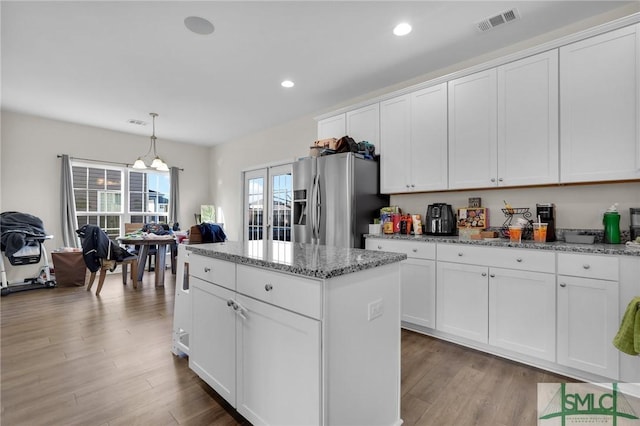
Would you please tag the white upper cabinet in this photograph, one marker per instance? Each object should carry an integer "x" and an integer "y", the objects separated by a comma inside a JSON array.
[
  {"x": 332, "y": 127},
  {"x": 413, "y": 129},
  {"x": 600, "y": 106},
  {"x": 528, "y": 121},
  {"x": 503, "y": 125},
  {"x": 472, "y": 131},
  {"x": 363, "y": 124}
]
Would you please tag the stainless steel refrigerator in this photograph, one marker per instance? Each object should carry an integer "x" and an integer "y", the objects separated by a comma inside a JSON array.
[{"x": 335, "y": 198}]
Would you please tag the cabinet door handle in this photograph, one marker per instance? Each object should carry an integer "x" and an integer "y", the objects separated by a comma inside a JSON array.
[
  {"x": 415, "y": 250},
  {"x": 563, "y": 285},
  {"x": 230, "y": 303},
  {"x": 207, "y": 269},
  {"x": 484, "y": 274},
  {"x": 519, "y": 259},
  {"x": 407, "y": 185},
  {"x": 586, "y": 266},
  {"x": 492, "y": 275},
  {"x": 240, "y": 310},
  {"x": 413, "y": 186},
  {"x": 500, "y": 179},
  {"x": 268, "y": 287},
  {"x": 379, "y": 247},
  {"x": 460, "y": 254}
]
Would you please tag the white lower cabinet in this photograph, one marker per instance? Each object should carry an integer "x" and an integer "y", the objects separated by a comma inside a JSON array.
[
  {"x": 278, "y": 365},
  {"x": 213, "y": 337},
  {"x": 417, "y": 279},
  {"x": 522, "y": 312},
  {"x": 462, "y": 301}
]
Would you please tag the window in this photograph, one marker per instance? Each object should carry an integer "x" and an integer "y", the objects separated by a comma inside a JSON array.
[
  {"x": 109, "y": 196},
  {"x": 148, "y": 197}
]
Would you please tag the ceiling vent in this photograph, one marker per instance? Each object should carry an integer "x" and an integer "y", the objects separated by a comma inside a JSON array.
[
  {"x": 502, "y": 18},
  {"x": 136, "y": 122}
]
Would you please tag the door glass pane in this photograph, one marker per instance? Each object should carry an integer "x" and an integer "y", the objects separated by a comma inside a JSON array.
[
  {"x": 256, "y": 208},
  {"x": 281, "y": 196}
]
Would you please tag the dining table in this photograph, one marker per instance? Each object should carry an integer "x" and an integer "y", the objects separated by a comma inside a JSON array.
[{"x": 144, "y": 241}]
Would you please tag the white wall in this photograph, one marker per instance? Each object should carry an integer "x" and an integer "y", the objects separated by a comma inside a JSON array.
[
  {"x": 283, "y": 143},
  {"x": 577, "y": 206},
  {"x": 30, "y": 169}
]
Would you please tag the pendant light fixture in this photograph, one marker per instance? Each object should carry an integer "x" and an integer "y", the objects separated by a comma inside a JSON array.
[{"x": 157, "y": 162}]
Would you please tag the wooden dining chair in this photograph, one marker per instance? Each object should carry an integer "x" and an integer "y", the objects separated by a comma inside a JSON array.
[{"x": 108, "y": 265}]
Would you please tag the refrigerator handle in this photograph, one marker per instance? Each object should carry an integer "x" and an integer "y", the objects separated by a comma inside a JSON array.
[
  {"x": 318, "y": 205},
  {"x": 312, "y": 209}
]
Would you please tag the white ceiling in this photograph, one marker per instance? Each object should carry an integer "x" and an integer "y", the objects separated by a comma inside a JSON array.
[{"x": 103, "y": 63}]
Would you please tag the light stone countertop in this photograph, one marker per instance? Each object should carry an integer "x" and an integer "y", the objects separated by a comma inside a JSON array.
[
  {"x": 309, "y": 260},
  {"x": 558, "y": 246}
]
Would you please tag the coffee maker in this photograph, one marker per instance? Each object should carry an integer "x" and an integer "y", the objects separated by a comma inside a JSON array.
[
  {"x": 634, "y": 218},
  {"x": 547, "y": 214}
]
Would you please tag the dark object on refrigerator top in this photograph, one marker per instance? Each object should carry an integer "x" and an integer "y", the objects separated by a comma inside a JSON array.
[{"x": 335, "y": 198}]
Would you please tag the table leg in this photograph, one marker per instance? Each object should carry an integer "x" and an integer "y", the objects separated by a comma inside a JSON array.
[
  {"x": 142, "y": 260},
  {"x": 161, "y": 260}
]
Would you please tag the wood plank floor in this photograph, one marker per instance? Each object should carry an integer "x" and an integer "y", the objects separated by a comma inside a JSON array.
[{"x": 71, "y": 358}]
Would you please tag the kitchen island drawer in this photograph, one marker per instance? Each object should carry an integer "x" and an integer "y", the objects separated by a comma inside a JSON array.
[
  {"x": 588, "y": 266},
  {"x": 213, "y": 270},
  {"x": 511, "y": 258},
  {"x": 291, "y": 292},
  {"x": 413, "y": 249}
]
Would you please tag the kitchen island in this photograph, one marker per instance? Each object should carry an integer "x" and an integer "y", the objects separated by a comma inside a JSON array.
[{"x": 297, "y": 334}]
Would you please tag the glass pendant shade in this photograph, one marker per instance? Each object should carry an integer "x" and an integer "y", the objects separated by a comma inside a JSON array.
[
  {"x": 157, "y": 162},
  {"x": 163, "y": 167},
  {"x": 139, "y": 164}
]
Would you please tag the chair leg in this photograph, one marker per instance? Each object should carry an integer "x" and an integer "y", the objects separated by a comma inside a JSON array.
[
  {"x": 124, "y": 272},
  {"x": 91, "y": 279},
  {"x": 134, "y": 273},
  {"x": 103, "y": 275}
]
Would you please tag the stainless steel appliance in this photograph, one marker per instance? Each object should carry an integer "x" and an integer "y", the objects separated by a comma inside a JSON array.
[
  {"x": 335, "y": 198},
  {"x": 547, "y": 214},
  {"x": 440, "y": 219}
]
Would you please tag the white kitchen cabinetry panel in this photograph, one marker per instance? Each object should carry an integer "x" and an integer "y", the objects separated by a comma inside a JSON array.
[
  {"x": 521, "y": 259},
  {"x": 587, "y": 322},
  {"x": 287, "y": 291},
  {"x": 332, "y": 127},
  {"x": 600, "y": 106},
  {"x": 213, "y": 337},
  {"x": 583, "y": 265},
  {"x": 528, "y": 121},
  {"x": 472, "y": 130},
  {"x": 418, "y": 292},
  {"x": 417, "y": 278},
  {"x": 462, "y": 301},
  {"x": 213, "y": 270},
  {"x": 522, "y": 312},
  {"x": 278, "y": 366},
  {"x": 363, "y": 124},
  {"x": 414, "y": 128}
]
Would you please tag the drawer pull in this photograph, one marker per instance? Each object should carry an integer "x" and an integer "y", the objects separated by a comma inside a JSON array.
[
  {"x": 207, "y": 269},
  {"x": 586, "y": 266},
  {"x": 268, "y": 287},
  {"x": 484, "y": 274},
  {"x": 519, "y": 259},
  {"x": 563, "y": 285},
  {"x": 379, "y": 247},
  {"x": 415, "y": 250},
  {"x": 460, "y": 254}
]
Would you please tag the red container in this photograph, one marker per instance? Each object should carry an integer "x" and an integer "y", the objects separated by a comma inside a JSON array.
[{"x": 395, "y": 217}]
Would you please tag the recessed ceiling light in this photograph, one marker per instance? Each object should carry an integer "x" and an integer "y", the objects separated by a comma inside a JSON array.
[
  {"x": 402, "y": 29},
  {"x": 287, "y": 84},
  {"x": 198, "y": 25}
]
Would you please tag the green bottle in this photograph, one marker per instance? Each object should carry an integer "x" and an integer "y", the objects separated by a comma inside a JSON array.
[{"x": 611, "y": 222}]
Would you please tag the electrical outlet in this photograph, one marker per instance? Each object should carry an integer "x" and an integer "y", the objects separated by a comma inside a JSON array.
[{"x": 375, "y": 309}]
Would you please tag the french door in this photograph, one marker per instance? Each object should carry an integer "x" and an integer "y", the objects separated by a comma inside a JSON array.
[{"x": 268, "y": 194}]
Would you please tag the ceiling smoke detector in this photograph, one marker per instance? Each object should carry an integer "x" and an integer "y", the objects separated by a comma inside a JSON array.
[{"x": 502, "y": 18}]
